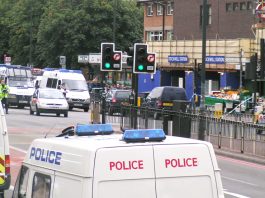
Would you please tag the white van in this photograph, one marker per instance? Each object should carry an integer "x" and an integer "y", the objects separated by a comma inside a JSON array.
[
  {"x": 137, "y": 164},
  {"x": 4, "y": 154},
  {"x": 77, "y": 94}
]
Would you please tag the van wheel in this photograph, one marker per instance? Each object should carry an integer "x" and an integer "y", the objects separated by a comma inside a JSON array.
[
  {"x": 65, "y": 115},
  {"x": 86, "y": 109},
  {"x": 30, "y": 111},
  {"x": 37, "y": 111},
  {"x": 57, "y": 114}
]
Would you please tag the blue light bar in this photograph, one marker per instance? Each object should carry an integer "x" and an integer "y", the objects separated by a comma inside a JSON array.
[
  {"x": 144, "y": 135},
  {"x": 93, "y": 129},
  {"x": 70, "y": 71}
]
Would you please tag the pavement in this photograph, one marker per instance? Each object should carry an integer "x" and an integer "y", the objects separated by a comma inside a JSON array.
[{"x": 240, "y": 156}]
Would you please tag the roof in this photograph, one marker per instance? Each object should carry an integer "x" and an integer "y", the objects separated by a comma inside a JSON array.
[{"x": 77, "y": 153}]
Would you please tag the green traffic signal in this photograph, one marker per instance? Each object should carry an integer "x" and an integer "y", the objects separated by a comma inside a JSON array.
[
  {"x": 107, "y": 65},
  {"x": 140, "y": 67}
]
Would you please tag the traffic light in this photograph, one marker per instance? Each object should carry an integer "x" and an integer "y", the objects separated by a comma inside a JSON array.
[
  {"x": 110, "y": 59},
  {"x": 143, "y": 62},
  {"x": 130, "y": 54}
]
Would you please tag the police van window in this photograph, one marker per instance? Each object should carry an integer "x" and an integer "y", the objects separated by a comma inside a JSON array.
[
  {"x": 20, "y": 190},
  {"x": 49, "y": 82},
  {"x": 41, "y": 186}
]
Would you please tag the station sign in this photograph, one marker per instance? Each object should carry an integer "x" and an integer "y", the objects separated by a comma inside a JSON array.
[{"x": 178, "y": 59}]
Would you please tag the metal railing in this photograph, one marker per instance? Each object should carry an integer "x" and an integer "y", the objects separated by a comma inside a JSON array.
[{"x": 232, "y": 133}]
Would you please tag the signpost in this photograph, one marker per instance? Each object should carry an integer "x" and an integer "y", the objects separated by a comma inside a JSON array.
[{"x": 63, "y": 61}]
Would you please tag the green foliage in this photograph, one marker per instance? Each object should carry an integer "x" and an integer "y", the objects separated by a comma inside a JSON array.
[{"x": 41, "y": 31}]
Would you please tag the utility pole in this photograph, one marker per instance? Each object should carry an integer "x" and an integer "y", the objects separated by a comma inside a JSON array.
[
  {"x": 30, "y": 36},
  {"x": 202, "y": 124},
  {"x": 241, "y": 69}
]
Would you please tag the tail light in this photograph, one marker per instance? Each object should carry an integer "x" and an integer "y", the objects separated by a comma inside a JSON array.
[
  {"x": 7, "y": 164},
  {"x": 159, "y": 103},
  {"x": 114, "y": 100}
]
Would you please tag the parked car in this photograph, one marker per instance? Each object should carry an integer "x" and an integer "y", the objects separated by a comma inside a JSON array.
[
  {"x": 163, "y": 97},
  {"x": 45, "y": 100},
  {"x": 114, "y": 98}
]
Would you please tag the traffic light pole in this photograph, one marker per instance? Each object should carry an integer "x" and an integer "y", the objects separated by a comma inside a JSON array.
[
  {"x": 135, "y": 90},
  {"x": 103, "y": 98},
  {"x": 202, "y": 124}
]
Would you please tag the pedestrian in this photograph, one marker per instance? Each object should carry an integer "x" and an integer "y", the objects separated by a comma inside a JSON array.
[
  {"x": 4, "y": 90},
  {"x": 63, "y": 89}
]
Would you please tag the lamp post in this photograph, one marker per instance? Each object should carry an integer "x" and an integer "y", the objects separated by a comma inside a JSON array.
[
  {"x": 202, "y": 124},
  {"x": 241, "y": 54}
]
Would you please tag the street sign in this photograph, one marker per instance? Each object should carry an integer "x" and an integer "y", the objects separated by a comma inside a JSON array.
[
  {"x": 83, "y": 58},
  {"x": 62, "y": 60},
  {"x": 94, "y": 58}
]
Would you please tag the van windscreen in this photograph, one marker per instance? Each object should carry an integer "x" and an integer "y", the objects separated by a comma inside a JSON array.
[{"x": 78, "y": 85}]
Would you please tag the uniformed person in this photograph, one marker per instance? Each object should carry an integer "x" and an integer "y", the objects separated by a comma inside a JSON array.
[{"x": 4, "y": 90}]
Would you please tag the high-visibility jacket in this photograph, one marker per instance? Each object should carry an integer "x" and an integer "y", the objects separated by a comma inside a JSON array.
[{"x": 4, "y": 90}]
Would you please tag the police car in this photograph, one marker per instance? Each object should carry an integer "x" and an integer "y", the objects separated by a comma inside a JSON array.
[{"x": 88, "y": 161}]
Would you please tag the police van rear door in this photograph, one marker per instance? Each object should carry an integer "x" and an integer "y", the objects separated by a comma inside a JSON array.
[
  {"x": 4, "y": 153},
  {"x": 184, "y": 170},
  {"x": 124, "y": 172}
]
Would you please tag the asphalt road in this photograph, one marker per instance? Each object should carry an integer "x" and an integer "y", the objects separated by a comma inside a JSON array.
[{"x": 240, "y": 179}]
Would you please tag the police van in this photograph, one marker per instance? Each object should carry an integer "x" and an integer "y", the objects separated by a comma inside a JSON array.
[
  {"x": 89, "y": 161},
  {"x": 4, "y": 154},
  {"x": 77, "y": 94}
]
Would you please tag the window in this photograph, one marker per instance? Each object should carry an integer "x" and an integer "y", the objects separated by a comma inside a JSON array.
[
  {"x": 41, "y": 186},
  {"x": 229, "y": 7},
  {"x": 51, "y": 83},
  {"x": 155, "y": 36},
  {"x": 159, "y": 10},
  {"x": 243, "y": 6},
  {"x": 170, "y": 8},
  {"x": 169, "y": 35},
  {"x": 20, "y": 189},
  {"x": 249, "y": 5},
  {"x": 209, "y": 21},
  {"x": 149, "y": 10},
  {"x": 235, "y": 6}
]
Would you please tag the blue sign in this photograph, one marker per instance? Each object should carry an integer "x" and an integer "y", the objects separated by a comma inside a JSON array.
[
  {"x": 178, "y": 59},
  {"x": 215, "y": 60}
]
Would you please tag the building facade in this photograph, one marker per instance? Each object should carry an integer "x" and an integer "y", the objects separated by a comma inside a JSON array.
[
  {"x": 228, "y": 19},
  {"x": 230, "y": 30},
  {"x": 158, "y": 19}
]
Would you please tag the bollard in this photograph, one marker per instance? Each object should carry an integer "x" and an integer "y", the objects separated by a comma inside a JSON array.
[{"x": 242, "y": 139}]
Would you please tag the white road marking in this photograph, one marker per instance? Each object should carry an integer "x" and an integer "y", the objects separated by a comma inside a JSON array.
[
  {"x": 18, "y": 149},
  {"x": 235, "y": 195},
  {"x": 240, "y": 181}
]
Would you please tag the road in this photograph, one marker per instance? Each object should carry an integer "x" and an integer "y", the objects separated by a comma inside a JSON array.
[{"x": 240, "y": 179}]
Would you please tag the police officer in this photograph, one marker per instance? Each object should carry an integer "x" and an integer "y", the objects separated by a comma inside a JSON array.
[{"x": 4, "y": 90}]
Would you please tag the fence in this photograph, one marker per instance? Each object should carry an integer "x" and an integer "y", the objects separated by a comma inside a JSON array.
[{"x": 231, "y": 133}]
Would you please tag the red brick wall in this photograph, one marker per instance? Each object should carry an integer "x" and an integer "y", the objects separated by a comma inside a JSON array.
[{"x": 227, "y": 25}]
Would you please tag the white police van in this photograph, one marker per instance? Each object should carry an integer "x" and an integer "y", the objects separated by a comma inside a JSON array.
[
  {"x": 136, "y": 164},
  {"x": 77, "y": 94},
  {"x": 4, "y": 154}
]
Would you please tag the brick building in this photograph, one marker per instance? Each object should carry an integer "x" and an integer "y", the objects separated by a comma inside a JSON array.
[
  {"x": 156, "y": 21},
  {"x": 230, "y": 23},
  {"x": 228, "y": 19}
]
